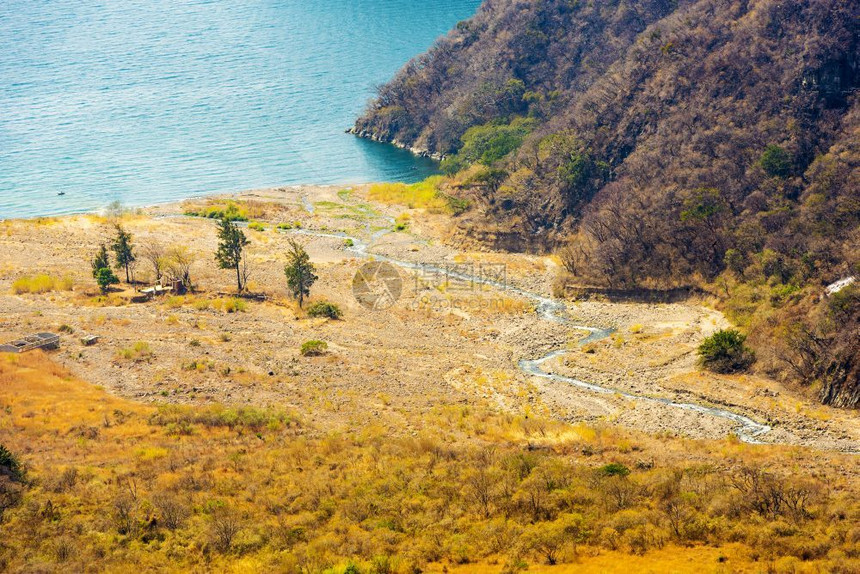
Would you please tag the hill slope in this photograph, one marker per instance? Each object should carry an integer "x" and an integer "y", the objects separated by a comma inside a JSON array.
[{"x": 661, "y": 142}]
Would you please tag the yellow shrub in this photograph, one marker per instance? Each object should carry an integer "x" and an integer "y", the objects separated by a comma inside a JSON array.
[
  {"x": 42, "y": 284},
  {"x": 230, "y": 305},
  {"x": 137, "y": 352},
  {"x": 424, "y": 194}
]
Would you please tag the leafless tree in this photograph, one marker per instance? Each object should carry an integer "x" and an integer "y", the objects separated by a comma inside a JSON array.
[
  {"x": 225, "y": 525},
  {"x": 173, "y": 511},
  {"x": 155, "y": 255},
  {"x": 178, "y": 268}
]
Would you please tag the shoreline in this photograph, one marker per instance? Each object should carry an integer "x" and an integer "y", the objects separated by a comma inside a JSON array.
[{"x": 204, "y": 196}]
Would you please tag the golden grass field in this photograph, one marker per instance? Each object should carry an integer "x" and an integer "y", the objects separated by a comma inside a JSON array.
[{"x": 113, "y": 484}]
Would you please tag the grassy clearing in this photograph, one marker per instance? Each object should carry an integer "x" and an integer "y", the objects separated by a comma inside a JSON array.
[
  {"x": 116, "y": 485},
  {"x": 42, "y": 283},
  {"x": 229, "y": 210},
  {"x": 425, "y": 194},
  {"x": 223, "y": 304}
]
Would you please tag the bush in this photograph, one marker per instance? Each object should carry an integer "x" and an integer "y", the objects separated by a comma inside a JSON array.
[
  {"x": 424, "y": 194},
  {"x": 402, "y": 222},
  {"x": 105, "y": 277},
  {"x": 230, "y": 212},
  {"x": 614, "y": 469},
  {"x": 488, "y": 143},
  {"x": 776, "y": 162},
  {"x": 140, "y": 351},
  {"x": 256, "y": 226},
  {"x": 313, "y": 348},
  {"x": 251, "y": 418},
  {"x": 324, "y": 309},
  {"x": 10, "y": 465},
  {"x": 230, "y": 305},
  {"x": 725, "y": 352}
]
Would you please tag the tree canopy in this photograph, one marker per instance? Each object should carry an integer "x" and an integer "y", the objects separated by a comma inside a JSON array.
[
  {"x": 231, "y": 250},
  {"x": 123, "y": 250},
  {"x": 299, "y": 271}
]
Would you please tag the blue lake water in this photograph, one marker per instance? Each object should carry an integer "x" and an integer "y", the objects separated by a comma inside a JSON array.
[{"x": 146, "y": 101}]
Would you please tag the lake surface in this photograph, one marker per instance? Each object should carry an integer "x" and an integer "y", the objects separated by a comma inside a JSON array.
[{"x": 146, "y": 101}]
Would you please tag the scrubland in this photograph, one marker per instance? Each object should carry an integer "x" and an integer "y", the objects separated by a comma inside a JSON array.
[
  {"x": 196, "y": 435},
  {"x": 113, "y": 484}
]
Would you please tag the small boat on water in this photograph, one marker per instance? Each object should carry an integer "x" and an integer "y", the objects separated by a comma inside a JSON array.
[{"x": 61, "y": 193}]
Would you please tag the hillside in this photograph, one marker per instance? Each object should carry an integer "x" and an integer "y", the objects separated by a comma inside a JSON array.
[{"x": 657, "y": 144}]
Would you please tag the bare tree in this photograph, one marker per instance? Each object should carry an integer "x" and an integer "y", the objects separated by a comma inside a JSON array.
[
  {"x": 178, "y": 268},
  {"x": 225, "y": 525},
  {"x": 155, "y": 255},
  {"x": 173, "y": 512}
]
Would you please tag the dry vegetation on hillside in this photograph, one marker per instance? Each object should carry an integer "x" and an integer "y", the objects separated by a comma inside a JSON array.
[{"x": 112, "y": 484}]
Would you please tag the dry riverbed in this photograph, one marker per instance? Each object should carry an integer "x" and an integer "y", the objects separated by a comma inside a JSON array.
[{"x": 443, "y": 343}]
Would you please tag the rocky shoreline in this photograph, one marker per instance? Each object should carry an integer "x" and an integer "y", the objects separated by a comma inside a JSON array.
[{"x": 420, "y": 152}]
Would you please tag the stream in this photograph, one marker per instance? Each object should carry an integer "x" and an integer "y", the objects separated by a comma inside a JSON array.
[{"x": 553, "y": 310}]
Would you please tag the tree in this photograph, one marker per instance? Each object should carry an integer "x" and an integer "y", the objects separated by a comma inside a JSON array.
[
  {"x": 776, "y": 162},
  {"x": 225, "y": 525},
  {"x": 549, "y": 539},
  {"x": 105, "y": 278},
  {"x": 231, "y": 251},
  {"x": 299, "y": 271},
  {"x": 12, "y": 480},
  {"x": 10, "y": 465},
  {"x": 124, "y": 251},
  {"x": 154, "y": 254},
  {"x": 100, "y": 261},
  {"x": 178, "y": 266},
  {"x": 725, "y": 352}
]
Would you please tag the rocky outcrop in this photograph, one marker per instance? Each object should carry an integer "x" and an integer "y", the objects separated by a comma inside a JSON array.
[{"x": 420, "y": 152}]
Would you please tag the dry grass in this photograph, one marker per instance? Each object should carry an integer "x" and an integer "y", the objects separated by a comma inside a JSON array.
[
  {"x": 42, "y": 283},
  {"x": 421, "y": 195},
  {"x": 116, "y": 485}
]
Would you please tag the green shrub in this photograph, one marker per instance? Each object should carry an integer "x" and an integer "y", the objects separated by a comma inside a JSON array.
[
  {"x": 140, "y": 351},
  {"x": 230, "y": 212},
  {"x": 776, "y": 162},
  {"x": 735, "y": 261},
  {"x": 181, "y": 417},
  {"x": 725, "y": 352},
  {"x": 614, "y": 469},
  {"x": 402, "y": 222},
  {"x": 313, "y": 348},
  {"x": 488, "y": 143},
  {"x": 10, "y": 465},
  {"x": 105, "y": 278},
  {"x": 257, "y": 226},
  {"x": 230, "y": 305},
  {"x": 324, "y": 309}
]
